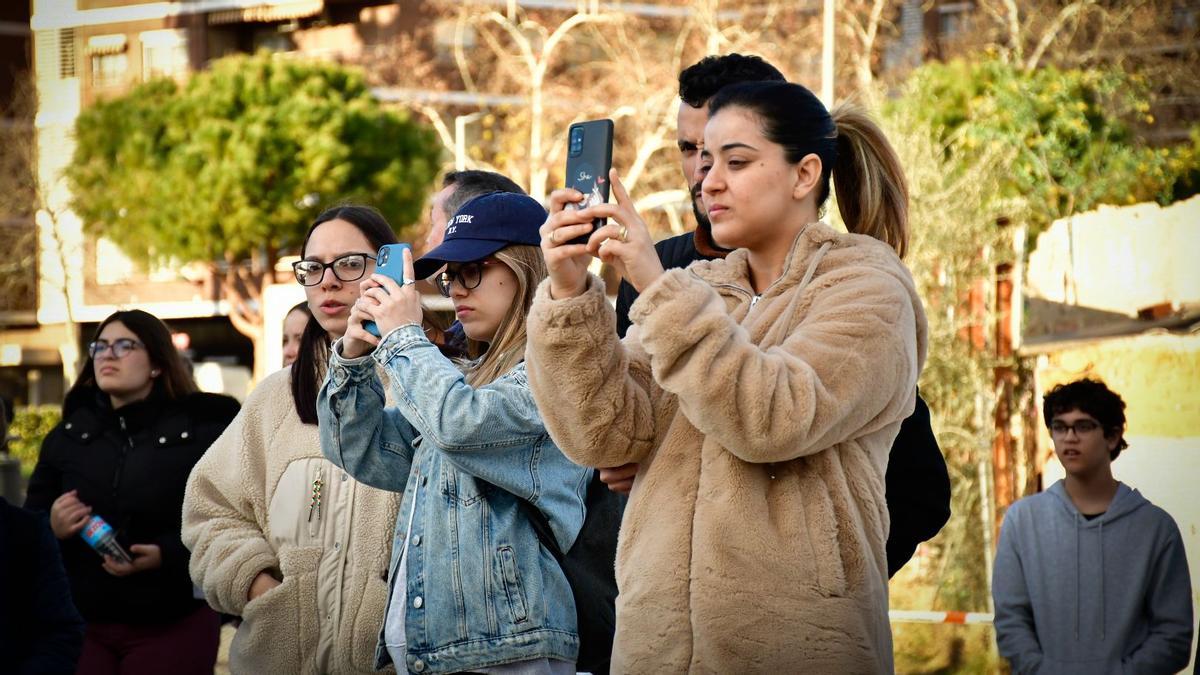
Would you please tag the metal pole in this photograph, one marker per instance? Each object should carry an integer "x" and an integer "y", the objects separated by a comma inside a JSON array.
[
  {"x": 827, "y": 53},
  {"x": 460, "y": 139}
]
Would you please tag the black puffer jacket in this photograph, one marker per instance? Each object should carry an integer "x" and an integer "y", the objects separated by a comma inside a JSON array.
[{"x": 130, "y": 465}]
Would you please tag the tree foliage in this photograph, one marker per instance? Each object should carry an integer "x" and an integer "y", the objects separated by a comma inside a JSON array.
[
  {"x": 240, "y": 159},
  {"x": 30, "y": 426},
  {"x": 1072, "y": 131}
]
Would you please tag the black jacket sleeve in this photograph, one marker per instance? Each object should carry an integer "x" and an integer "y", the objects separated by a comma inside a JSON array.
[
  {"x": 45, "y": 485},
  {"x": 40, "y": 618},
  {"x": 918, "y": 488},
  {"x": 57, "y": 626},
  {"x": 625, "y": 297}
]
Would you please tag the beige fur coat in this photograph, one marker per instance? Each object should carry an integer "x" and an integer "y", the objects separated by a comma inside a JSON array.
[
  {"x": 249, "y": 507},
  {"x": 754, "y": 537}
]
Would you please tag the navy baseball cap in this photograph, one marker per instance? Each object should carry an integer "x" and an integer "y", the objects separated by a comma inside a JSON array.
[{"x": 483, "y": 226}]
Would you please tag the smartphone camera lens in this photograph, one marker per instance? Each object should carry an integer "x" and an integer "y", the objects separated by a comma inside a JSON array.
[
  {"x": 576, "y": 142},
  {"x": 383, "y": 257}
]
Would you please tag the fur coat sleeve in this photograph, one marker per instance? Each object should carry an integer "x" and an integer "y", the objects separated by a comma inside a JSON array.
[{"x": 224, "y": 504}]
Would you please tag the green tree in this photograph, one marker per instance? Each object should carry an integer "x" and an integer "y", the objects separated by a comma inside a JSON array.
[
  {"x": 30, "y": 426},
  {"x": 230, "y": 168},
  {"x": 1072, "y": 131}
]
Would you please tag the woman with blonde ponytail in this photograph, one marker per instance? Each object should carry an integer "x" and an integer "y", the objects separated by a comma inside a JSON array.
[{"x": 759, "y": 394}]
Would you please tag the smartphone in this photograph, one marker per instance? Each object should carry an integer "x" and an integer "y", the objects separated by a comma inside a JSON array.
[
  {"x": 589, "y": 158},
  {"x": 390, "y": 263}
]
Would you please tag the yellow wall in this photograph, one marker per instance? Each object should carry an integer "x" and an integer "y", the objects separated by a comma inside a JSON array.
[{"x": 1157, "y": 375}]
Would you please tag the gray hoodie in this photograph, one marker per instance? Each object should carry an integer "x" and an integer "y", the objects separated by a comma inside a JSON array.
[{"x": 1107, "y": 595}]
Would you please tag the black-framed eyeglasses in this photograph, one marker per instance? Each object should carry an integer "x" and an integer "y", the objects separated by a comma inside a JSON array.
[
  {"x": 470, "y": 275},
  {"x": 119, "y": 347},
  {"x": 1081, "y": 427},
  {"x": 350, "y": 267}
]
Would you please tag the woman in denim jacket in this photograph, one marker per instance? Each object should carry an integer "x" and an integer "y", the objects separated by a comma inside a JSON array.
[{"x": 471, "y": 587}]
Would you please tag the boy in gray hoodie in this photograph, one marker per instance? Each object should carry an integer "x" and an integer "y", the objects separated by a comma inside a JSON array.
[{"x": 1090, "y": 577}]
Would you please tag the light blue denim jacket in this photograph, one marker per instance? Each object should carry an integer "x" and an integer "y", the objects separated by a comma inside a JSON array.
[{"x": 481, "y": 589}]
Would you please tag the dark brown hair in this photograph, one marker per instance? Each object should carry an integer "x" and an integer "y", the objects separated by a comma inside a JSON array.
[
  {"x": 472, "y": 183},
  {"x": 174, "y": 381},
  {"x": 308, "y": 370},
  {"x": 1091, "y": 397},
  {"x": 872, "y": 193}
]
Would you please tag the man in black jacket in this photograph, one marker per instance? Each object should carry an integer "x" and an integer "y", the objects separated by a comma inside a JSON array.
[{"x": 918, "y": 485}]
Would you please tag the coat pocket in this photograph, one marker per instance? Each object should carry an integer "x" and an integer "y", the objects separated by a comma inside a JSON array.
[
  {"x": 513, "y": 588},
  {"x": 268, "y": 641},
  {"x": 300, "y": 503},
  {"x": 822, "y": 526}
]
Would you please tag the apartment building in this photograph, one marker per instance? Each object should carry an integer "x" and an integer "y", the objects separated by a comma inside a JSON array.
[{"x": 85, "y": 50}]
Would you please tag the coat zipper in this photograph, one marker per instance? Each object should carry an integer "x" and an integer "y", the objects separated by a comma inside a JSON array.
[
  {"x": 753, "y": 298},
  {"x": 121, "y": 460}
]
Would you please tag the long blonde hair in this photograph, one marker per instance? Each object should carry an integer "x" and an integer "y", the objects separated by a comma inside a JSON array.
[{"x": 507, "y": 347}]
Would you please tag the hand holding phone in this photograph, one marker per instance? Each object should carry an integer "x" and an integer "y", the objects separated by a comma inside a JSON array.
[{"x": 390, "y": 263}]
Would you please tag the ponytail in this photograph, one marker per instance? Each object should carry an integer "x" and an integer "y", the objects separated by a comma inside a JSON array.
[{"x": 872, "y": 193}]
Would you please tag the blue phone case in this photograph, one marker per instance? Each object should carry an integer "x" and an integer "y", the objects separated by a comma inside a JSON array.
[{"x": 390, "y": 263}]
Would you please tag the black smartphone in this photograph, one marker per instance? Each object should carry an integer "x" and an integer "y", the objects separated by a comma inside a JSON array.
[{"x": 589, "y": 158}]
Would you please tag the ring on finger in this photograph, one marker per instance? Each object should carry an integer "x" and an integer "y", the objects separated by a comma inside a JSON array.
[
  {"x": 623, "y": 233},
  {"x": 554, "y": 237}
]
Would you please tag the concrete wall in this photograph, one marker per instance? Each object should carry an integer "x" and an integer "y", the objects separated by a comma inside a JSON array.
[{"x": 1120, "y": 259}]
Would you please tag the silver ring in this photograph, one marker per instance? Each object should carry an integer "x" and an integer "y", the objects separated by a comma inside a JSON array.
[{"x": 408, "y": 282}]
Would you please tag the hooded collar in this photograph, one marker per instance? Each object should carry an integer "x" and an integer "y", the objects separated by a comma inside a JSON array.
[
  {"x": 1125, "y": 501},
  {"x": 89, "y": 412}
]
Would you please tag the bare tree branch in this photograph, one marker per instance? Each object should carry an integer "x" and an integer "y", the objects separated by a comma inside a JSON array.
[{"x": 1066, "y": 14}]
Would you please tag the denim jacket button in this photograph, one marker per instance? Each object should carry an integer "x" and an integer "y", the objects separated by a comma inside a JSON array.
[
  {"x": 419, "y": 666},
  {"x": 418, "y": 602},
  {"x": 416, "y": 540}
]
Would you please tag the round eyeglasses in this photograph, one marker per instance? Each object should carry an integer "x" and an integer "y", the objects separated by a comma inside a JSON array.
[
  {"x": 350, "y": 267},
  {"x": 470, "y": 275},
  {"x": 118, "y": 348}
]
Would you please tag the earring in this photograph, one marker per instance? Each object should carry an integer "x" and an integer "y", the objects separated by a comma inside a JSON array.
[{"x": 154, "y": 373}]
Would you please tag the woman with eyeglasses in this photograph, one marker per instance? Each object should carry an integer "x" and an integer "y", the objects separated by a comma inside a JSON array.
[
  {"x": 472, "y": 589},
  {"x": 133, "y": 427},
  {"x": 279, "y": 535}
]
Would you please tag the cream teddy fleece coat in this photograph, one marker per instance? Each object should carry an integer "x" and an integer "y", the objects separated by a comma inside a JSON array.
[
  {"x": 754, "y": 537},
  {"x": 247, "y": 509}
]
